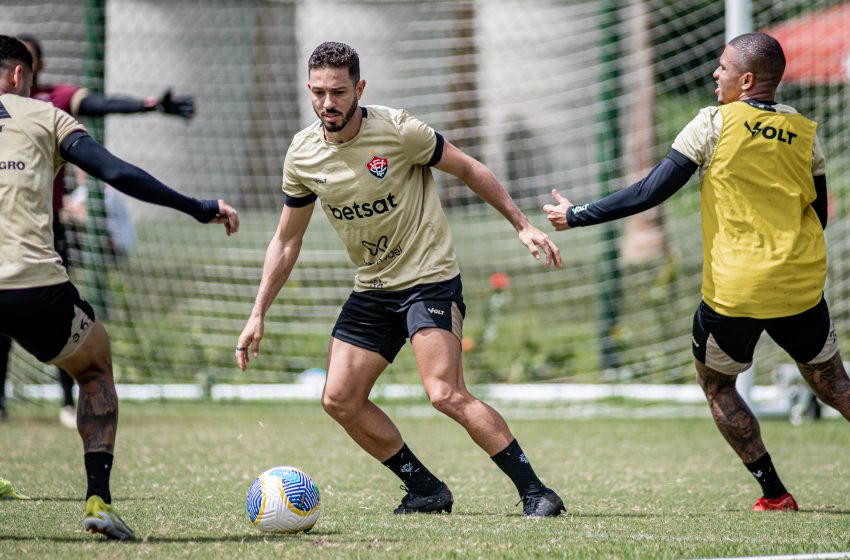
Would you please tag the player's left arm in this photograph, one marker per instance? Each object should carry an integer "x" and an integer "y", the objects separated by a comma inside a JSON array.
[
  {"x": 83, "y": 151},
  {"x": 484, "y": 183}
]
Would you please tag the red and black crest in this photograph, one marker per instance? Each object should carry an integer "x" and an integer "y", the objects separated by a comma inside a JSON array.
[{"x": 378, "y": 166}]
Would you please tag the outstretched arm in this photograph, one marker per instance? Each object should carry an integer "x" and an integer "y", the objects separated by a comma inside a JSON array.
[
  {"x": 281, "y": 255},
  {"x": 662, "y": 182},
  {"x": 94, "y": 104},
  {"x": 83, "y": 151},
  {"x": 484, "y": 183}
]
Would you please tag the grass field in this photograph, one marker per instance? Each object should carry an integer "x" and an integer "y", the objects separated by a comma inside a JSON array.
[{"x": 657, "y": 488}]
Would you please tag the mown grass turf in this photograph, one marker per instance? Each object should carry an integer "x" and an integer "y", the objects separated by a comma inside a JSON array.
[{"x": 633, "y": 488}]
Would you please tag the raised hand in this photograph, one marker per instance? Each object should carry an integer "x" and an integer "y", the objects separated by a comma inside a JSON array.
[
  {"x": 557, "y": 213},
  {"x": 228, "y": 216}
]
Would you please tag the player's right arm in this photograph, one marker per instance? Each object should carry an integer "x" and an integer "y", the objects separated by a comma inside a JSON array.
[{"x": 281, "y": 255}]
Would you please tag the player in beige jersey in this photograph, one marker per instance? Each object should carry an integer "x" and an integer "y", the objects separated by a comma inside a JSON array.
[
  {"x": 39, "y": 307},
  {"x": 370, "y": 170},
  {"x": 763, "y": 200}
]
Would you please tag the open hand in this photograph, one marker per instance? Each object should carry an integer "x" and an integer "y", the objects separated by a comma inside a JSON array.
[
  {"x": 533, "y": 238},
  {"x": 249, "y": 341}
]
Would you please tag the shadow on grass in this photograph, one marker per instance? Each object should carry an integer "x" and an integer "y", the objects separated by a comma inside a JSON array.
[
  {"x": 311, "y": 538},
  {"x": 567, "y": 515},
  {"x": 635, "y": 515},
  {"x": 693, "y": 514},
  {"x": 822, "y": 510},
  {"x": 78, "y": 499}
]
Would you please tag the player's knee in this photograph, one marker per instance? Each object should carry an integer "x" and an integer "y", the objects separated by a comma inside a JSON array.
[
  {"x": 338, "y": 408},
  {"x": 97, "y": 372},
  {"x": 95, "y": 367},
  {"x": 713, "y": 382},
  {"x": 447, "y": 399}
]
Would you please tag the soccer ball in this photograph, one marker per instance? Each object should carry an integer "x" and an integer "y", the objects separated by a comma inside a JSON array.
[{"x": 283, "y": 500}]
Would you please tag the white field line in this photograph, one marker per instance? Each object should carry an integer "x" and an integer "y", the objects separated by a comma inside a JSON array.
[{"x": 812, "y": 556}]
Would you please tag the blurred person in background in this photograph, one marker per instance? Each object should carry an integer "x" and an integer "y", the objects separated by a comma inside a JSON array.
[{"x": 119, "y": 222}]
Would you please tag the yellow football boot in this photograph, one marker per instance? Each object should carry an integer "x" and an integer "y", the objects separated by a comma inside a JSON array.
[{"x": 102, "y": 518}]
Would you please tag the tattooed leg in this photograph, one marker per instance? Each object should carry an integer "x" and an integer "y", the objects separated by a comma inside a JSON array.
[
  {"x": 733, "y": 417},
  {"x": 97, "y": 411},
  {"x": 829, "y": 382},
  {"x": 97, "y": 407}
]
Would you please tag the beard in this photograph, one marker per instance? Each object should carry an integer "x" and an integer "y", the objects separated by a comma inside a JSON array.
[{"x": 339, "y": 125}]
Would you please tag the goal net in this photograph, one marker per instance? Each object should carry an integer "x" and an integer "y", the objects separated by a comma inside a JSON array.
[{"x": 584, "y": 96}]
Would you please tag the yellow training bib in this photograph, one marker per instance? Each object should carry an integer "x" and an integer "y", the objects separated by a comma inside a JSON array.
[{"x": 764, "y": 254}]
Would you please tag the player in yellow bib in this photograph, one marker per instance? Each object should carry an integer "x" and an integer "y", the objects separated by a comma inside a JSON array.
[
  {"x": 40, "y": 308},
  {"x": 370, "y": 170},
  {"x": 764, "y": 210}
]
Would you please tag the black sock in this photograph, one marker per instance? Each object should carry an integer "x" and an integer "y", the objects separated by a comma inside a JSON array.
[
  {"x": 412, "y": 472},
  {"x": 513, "y": 463},
  {"x": 764, "y": 472},
  {"x": 98, "y": 467}
]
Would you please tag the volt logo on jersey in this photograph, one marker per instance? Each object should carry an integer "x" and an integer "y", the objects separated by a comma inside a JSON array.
[
  {"x": 770, "y": 132},
  {"x": 378, "y": 166}
]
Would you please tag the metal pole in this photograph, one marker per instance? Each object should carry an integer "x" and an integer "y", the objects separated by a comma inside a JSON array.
[
  {"x": 96, "y": 238},
  {"x": 610, "y": 170},
  {"x": 739, "y": 20}
]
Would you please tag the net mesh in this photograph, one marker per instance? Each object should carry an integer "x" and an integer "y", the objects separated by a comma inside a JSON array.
[{"x": 579, "y": 95}]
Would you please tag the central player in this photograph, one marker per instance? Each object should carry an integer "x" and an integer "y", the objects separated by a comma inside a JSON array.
[{"x": 370, "y": 169}]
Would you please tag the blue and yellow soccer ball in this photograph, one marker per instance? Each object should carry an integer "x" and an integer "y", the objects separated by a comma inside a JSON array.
[{"x": 283, "y": 500}]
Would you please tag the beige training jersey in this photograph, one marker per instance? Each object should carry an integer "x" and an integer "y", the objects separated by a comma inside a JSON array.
[
  {"x": 378, "y": 192},
  {"x": 30, "y": 134}
]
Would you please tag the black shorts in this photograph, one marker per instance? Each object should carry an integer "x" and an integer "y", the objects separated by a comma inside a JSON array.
[
  {"x": 49, "y": 322},
  {"x": 381, "y": 321},
  {"x": 726, "y": 344}
]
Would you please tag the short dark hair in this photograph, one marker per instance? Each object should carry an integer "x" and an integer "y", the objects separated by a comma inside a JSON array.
[
  {"x": 760, "y": 54},
  {"x": 336, "y": 55},
  {"x": 36, "y": 44},
  {"x": 13, "y": 51}
]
